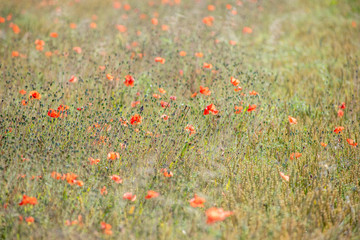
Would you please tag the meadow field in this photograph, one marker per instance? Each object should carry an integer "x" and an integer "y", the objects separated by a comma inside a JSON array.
[{"x": 179, "y": 119}]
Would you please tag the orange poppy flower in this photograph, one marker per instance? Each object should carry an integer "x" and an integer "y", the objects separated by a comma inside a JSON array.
[
  {"x": 251, "y": 108},
  {"x": 342, "y": 106},
  {"x": 103, "y": 191},
  {"x": 160, "y": 60},
  {"x": 161, "y": 90},
  {"x": 154, "y": 21},
  {"x": 127, "y": 7},
  {"x": 22, "y": 92},
  {"x": 151, "y": 194},
  {"x": 190, "y": 128},
  {"x": 2, "y": 19},
  {"x": 129, "y": 196},
  {"x": 193, "y": 95},
  {"x": 116, "y": 178},
  {"x": 207, "y": 65},
  {"x": 238, "y": 109},
  {"x": 93, "y": 161},
  {"x": 340, "y": 113},
  {"x": 73, "y": 25},
  {"x": 34, "y": 95},
  {"x": 116, "y": 5},
  {"x": 166, "y": 173},
  {"x": 296, "y": 155},
  {"x": 232, "y": 42},
  {"x": 77, "y": 49},
  {"x": 157, "y": 96},
  {"x": 56, "y": 175},
  {"x": 121, "y": 28},
  {"x": 133, "y": 104},
  {"x": 165, "y": 117},
  {"x": 136, "y": 119},
  {"x": 208, "y": 21},
  {"x": 109, "y": 77},
  {"x": 285, "y": 177},
  {"x": 182, "y": 53},
  {"x": 28, "y": 200},
  {"x": 15, "y": 54},
  {"x": 93, "y": 25},
  {"x": 234, "y": 81},
  {"x": 247, "y": 30},
  {"x": 73, "y": 79},
  {"x": 113, "y": 156},
  {"x": 29, "y": 220},
  {"x": 228, "y": 6},
  {"x": 165, "y": 27},
  {"x": 211, "y": 108},
  {"x": 205, "y": 91},
  {"x": 339, "y": 129},
  {"x": 197, "y": 201},
  {"x": 53, "y": 113},
  {"x": 54, "y": 35},
  {"x": 323, "y": 144},
  {"x": 253, "y": 93},
  {"x": 106, "y": 228},
  {"x": 173, "y": 98},
  {"x": 15, "y": 28},
  {"x": 164, "y": 104},
  {"x": 351, "y": 142},
  {"x": 216, "y": 214},
  {"x": 353, "y": 24},
  {"x": 292, "y": 120},
  {"x": 211, "y": 7},
  {"x": 129, "y": 81},
  {"x": 238, "y": 89},
  {"x": 199, "y": 54}
]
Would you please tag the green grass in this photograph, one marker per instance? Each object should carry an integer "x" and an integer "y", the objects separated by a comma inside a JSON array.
[{"x": 302, "y": 58}]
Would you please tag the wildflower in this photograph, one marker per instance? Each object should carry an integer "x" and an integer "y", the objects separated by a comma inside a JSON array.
[
  {"x": 253, "y": 93},
  {"x": 234, "y": 81},
  {"x": 22, "y": 92},
  {"x": 207, "y": 65},
  {"x": 93, "y": 161},
  {"x": 351, "y": 142},
  {"x": 129, "y": 81},
  {"x": 205, "y": 91},
  {"x": 342, "y": 106},
  {"x": 164, "y": 104},
  {"x": 129, "y": 196},
  {"x": 292, "y": 120},
  {"x": 106, "y": 228},
  {"x": 151, "y": 194},
  {"x": 173, "y": 98},
  {"x": 238, "y": 109},
  {"x": 160, "y": 60},
  {"x": 197, "y": 201},
  {"x": 285, "y": 177},
  {"x": 29, "y": 220},
  {"x": 154, "y": 21},
  {"x": 166, "y": 173},
  {"x": 323, "y": 144},
  {"x": 136, "y": 119},
  {"x": 340, "y": 113},
  {"x": 73, "y": 79},
  {"x": 165, "y": 117},
  {"x": 109, "y": 77},
  {"x": 211, "y": 108},
  {"x": 251, "y": 108},
  {"x": 28, "y": 200},
  {"x": 296, "y": 155},
  {"x": 113, "y": 156},
  {"x": 116, "y": 178},
  {"x": 208, "y": 21},
  {"x": 339, "y": 129},
  {"x": 103, "y": 191},
  {"x": 35, "y": 95},
  {"x": 190, "y": 128},
  {"x": 133, "y": 104},
  {"x": 53, "y": 113},
  {"x": 247, "y": 30},
  {"x": 54, "y": 35},
  {"x": 182, "y": 53},
  {"x": 161, "y": 90},
  {"x": 216, "y": 214}
]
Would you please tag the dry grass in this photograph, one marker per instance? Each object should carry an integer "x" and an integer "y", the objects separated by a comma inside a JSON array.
[{"x": 302, "y": 59}]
